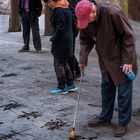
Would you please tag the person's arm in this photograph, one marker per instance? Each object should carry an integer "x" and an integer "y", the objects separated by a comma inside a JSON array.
[
  {"x": 39, "y": 5},
  {"x": 35, "y": 7},
  {"x": 126, "y": 33},
  {"x": 60, "y": 23},
  {"x": 86, "y": 45},
  {"x": 72, "y": 4}
]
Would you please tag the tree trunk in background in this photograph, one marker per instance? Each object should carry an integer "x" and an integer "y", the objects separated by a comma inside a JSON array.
[
  {"x": 48, "y": 27},
  {"x": 101, "y": 1},
  {"x": 110, "y": 1},
  {"x": 14, "y": 20},
  {"x": 124, "y": 5},
  {"x": 114, "y": 2},
  {"x": 121, "y": 3},
  {"x": 134, "y": 9}
]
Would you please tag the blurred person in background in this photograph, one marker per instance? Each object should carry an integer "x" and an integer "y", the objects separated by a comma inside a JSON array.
[{"x": 29, "y": 11}]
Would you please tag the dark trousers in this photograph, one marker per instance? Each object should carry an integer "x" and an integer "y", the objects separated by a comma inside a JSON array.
[
  {"x": 72, "y": 61},
  {"x": 108, "y": 91},
  {"x": 74, "y": 66},
  {"x": 28, "y": 23},
  {"x": 63, "y": 72}
]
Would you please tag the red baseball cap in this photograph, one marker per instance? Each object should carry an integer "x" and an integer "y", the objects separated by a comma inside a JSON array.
[{"x": 83, "y": 10}]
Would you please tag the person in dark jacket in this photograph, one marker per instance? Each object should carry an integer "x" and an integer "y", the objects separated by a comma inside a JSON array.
[
  {"x": 106, "y": 26},
  {"x": 29, "y": 11},
  {"x": 72, "y": 61},
  {"x": 62, "y": 45}
]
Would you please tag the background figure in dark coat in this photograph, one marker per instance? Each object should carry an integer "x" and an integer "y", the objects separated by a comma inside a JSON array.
[
  {"x": 29, "y": 11},
  {"x": 106, "y": 26},
  {"x": 62, "y": 45},
  {"x": 73, "y": 63}
]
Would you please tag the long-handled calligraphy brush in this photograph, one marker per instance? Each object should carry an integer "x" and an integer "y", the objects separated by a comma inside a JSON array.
[{"x": 72, "y": 132}]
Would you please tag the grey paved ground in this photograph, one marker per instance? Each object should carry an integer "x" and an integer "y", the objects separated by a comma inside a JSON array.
[{"x": 25, "y": 81}]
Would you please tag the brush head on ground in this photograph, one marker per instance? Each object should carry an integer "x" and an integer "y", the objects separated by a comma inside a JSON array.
[{"x": 72, "y": 135}]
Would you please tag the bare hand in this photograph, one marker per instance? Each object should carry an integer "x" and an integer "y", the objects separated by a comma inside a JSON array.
[
  {"x": 82, "y": 67},
  {"x": 127, "y": 67}
]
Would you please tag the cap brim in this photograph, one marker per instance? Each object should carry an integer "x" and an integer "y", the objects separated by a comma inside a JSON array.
[{"x": 82, "y": 23}]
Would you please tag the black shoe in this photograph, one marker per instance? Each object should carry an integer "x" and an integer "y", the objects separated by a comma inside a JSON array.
[
  {"x": 38, "y": 50},
  {"x": 23, "y": 50}
]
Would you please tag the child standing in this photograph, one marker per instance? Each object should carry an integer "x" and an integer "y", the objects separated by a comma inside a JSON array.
[{"x": 62, "y": 45}]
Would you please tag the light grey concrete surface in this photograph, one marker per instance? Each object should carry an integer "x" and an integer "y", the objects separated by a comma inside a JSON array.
[{"x": 30, "y": 76}]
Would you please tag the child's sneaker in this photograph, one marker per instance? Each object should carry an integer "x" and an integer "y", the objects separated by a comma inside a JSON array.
[
  {"x": 59, "y": 91},
  {"x": 72, "y": 87}
]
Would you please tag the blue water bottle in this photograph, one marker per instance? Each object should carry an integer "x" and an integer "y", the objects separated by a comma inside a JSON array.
[{"x": 131, "y": 75}]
